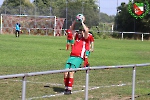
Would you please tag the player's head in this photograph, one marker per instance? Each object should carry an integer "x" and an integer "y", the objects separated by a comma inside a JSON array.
[
  {"x": 80, "y": 33},
  {"x": 68, "y": 31}
]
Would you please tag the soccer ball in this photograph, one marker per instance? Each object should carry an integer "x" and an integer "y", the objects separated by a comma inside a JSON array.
[{"x": 79, "y": 17}]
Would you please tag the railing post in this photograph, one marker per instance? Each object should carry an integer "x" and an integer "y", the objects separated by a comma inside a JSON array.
[
  {"x": 122, "y": 35},
  {"x": 142, "y": 37},
  {"x": 87, "y": 84},
  {"x": 133, "y": 82},
  {"x": 24, "y": 88}
]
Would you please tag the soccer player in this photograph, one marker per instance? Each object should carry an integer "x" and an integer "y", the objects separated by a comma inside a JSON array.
[
  {"x": 88, "y": 50},
  {"x": 76, "y": 56},
  {"x": 18, "y": 27},
  {"x": 69, "y": 39}
]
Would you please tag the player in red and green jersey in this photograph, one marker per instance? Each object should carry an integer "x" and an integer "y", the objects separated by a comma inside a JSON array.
[
  {"x": 69, "y": 39},
  {"x": 89, "y": 48},
  {"x": 76, "y": 56}
]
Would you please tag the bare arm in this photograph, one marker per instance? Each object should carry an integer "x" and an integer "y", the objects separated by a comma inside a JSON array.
[
  {"x": 85, "y": 28},
  {"x": 92, "y": 46},
  {"x": 72, "y": 27}
]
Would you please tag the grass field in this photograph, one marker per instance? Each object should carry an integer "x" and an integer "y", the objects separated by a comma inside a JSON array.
[{"x": 42, "y": 53}]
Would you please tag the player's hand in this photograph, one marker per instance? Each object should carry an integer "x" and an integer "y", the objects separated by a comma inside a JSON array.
[
  {"x": 91, "y": 49},
  {"x": 83, "y": 19}
]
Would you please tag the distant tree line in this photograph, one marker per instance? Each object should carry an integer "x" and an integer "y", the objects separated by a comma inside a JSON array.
[
  {"x": 125, "y": 22},
  {"x": 122, "y": 21},
  {"x": 61, "y": 8}
]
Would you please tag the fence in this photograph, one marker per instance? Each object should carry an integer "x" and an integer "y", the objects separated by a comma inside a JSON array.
[
  {"x": 65, "y": 12},
  {"x": 142, "y": 34},
  {"x": 25, "y": 75},
  {"x": 31, "y": 24}
]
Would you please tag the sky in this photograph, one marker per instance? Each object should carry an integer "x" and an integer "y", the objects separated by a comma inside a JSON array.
[
  {"x": 110, "y": 6},
  {"x": 106, "y": 6}
]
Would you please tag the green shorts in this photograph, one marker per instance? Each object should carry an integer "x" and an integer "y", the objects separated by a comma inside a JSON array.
[
  {"x": 73, "y": 62},
  {"x": 87, "y": 53},
  {"x": 70, "y": 41}
]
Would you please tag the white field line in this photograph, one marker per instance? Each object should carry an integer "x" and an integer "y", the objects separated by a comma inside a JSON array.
[
  {"x": 59, "y": 94},
  {"x": 90, "y": 88}
]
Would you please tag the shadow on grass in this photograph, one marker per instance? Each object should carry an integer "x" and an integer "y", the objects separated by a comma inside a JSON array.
[
  {"x": 61, "y": 49},
  {"x": 58, "y": 89},
  {"x": 55, "y": 89}
]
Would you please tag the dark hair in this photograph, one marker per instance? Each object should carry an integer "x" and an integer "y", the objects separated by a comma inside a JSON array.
[
  {"x": 90, "y": 32},
  {"x": 81, "y": 29}
]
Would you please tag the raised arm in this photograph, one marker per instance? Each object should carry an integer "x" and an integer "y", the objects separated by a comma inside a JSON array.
[
  {"x": 85, "y": 28},
  {"x": 72, "y": 27}
]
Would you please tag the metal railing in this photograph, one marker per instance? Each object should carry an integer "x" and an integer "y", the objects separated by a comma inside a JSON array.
[
  {"x": 142, "y": 34},
  {"x": 25, "y": 75}
]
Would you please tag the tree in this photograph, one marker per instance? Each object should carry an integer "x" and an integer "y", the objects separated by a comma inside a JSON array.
[
  {"x": 70, "y": 8},
  {"x": 61, "y": 8},
  {"x": 124, "y": 21},
  {"x": 15, "y": 7}
]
